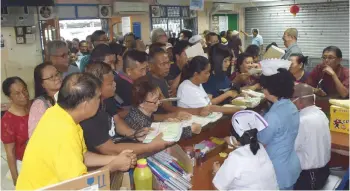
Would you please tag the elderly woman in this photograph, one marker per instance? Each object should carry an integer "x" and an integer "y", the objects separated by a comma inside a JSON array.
[
  {"x": 241, "y": 77},
  {"x": 47, "y": 82},
  {"x": 146, "y": 101},
  {"x": 297, "y": 68},
  {"x": 158, "y": 35},
  {"x": 14, "y": 124},
  {"x": 283, "y": 123}
]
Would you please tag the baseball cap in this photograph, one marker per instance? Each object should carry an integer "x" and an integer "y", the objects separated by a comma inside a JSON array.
[{"x": 292, "y": 32}]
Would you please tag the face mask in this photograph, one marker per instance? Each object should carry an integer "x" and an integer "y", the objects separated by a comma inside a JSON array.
[{"x": 305, "y": 97}]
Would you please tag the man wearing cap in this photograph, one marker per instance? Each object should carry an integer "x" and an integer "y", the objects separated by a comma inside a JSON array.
[
  {"x": 313, "y": 142},
  {"x": 290, "y": 37},
  {"x": 234, "y": 42}
]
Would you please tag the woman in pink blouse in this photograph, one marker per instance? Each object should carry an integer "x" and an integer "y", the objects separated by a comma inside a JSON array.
[{"x": 47, "y": 81}]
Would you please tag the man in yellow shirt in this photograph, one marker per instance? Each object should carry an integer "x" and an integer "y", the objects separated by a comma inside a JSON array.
[{"x": 56, "y": 151}]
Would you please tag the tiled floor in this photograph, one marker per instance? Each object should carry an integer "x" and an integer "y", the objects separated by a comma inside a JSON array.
[{"x": 6, "y": 184}]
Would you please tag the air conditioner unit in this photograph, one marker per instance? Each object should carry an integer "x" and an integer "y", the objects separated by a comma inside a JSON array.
[
  {"x": 223, "y": 7},
  {"x": 130, "y": 8}
]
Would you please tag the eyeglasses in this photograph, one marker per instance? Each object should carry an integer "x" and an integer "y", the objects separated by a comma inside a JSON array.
[
  {"x": 64, "y": 55},
  {"x": 328, "y": 58},
  {"x": 52, "y": 78}
]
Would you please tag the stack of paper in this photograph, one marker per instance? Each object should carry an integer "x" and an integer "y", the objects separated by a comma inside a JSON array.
[
  {"x": 250, "y": 102},
  {"x": 172, "y": 131},
  {"x": 252, "y": 93},
  {"x": 274, "y": 52},
  {"x": 203, "y": 121}
]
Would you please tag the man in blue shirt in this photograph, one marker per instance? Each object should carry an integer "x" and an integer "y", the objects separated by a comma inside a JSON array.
[{"x": 256, "y": 38}]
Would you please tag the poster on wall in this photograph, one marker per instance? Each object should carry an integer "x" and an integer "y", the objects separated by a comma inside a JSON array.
[
  {"x": 223, "y": 23},
  {"x": 197, "y": 5},
  {"x": 126, "y": 25}
]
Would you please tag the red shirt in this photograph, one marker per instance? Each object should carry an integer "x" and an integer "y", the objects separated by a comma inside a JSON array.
[
  {"x": 328, "y": 84},
  {"x": 14, "y": 129}
]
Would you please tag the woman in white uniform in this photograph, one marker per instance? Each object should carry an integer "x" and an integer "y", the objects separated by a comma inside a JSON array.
[
  {"x": 248, "y": 167},
  {"x": 191, "y": 93}
]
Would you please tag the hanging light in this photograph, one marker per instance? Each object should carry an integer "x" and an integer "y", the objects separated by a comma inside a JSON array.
[{"x": 294, "y": 9}]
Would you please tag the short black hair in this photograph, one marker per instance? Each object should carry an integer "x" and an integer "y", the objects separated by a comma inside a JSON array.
[
  {"x": 280, "y": 85},
  {"x": 335, "y": 49},
  {"x": 187, "y": 33},
  {"x": 133, "y": 56},
  {"x": 7, "y": 83},
  {"x": 179, "y": 48},
  {"x": 100, "y": 52},
  {"x": 197, "y": 64},
  {"x": 155, "y": 46},
  {"x": 301, "y": 59},
  {"x": 98, "y": 69},
  {"x": 117, "y": 49},
  {"x": 253, "y": 50},
  {"x": 155, "y": 51},
  {"x": 74, "y": 50},
  {"x": 240, "y": 59},
  {"x": 255, "y": 30},
  {"x": 75, "y": 39},
  {"x": 81, "y": 42},
  {"x": 210, "y": 35},
  {"x": 96, "y": 35},
  {"x": 77, "y": 88}
]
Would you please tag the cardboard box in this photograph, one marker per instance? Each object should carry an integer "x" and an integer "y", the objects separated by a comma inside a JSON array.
[
  {"x": 98, "y": 180},
  {"x": 339, "y": 119}
]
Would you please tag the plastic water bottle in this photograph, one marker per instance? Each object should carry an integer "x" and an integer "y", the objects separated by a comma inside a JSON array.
[{"x": 142, "y": 176}]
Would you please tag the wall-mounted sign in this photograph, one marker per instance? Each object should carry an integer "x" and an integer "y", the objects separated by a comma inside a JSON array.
[{"x": 197, "y": 5}]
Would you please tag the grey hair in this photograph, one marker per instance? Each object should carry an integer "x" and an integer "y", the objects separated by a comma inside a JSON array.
[
  {"x": 54, "y": 45},
  {"x": 156, "y": 33}
]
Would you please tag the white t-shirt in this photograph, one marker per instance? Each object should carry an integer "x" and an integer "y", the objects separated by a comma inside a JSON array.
[
  {"x": 192, "y": 96},
  {"x": 243, "y": 170},
  {"x": 313, "y": 143}
]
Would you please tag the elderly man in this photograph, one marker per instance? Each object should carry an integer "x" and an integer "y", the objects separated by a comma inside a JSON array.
[
  {"x": 58, "y": 55},
  {"x": 290, "y": 38},
  {"x": 56, "y": 151},
  {"x": 158, "y": 35},
  {"x": 330, "y": 78},
  {"x": 313, "y": 142}
]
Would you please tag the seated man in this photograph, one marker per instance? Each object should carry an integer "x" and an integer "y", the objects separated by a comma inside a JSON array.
[
  {"x": 134, "y": 66},
  {"x": 330, "y": 77},
  {"x": 105, "y": 128},
  {"x": 57, "y": 151},
  {"x": 159, "y": 69},
  {"x": 313, "y": 142}
]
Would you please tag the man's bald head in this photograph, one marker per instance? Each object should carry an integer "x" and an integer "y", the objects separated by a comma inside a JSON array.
[{"x": 301, "y": 91}]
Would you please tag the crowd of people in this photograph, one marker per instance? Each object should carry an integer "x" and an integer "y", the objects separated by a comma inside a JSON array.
[{"x": 95, "y": 101}]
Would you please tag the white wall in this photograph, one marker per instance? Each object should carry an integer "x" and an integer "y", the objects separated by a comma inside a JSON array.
[{"x": 19, "y": 59}]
